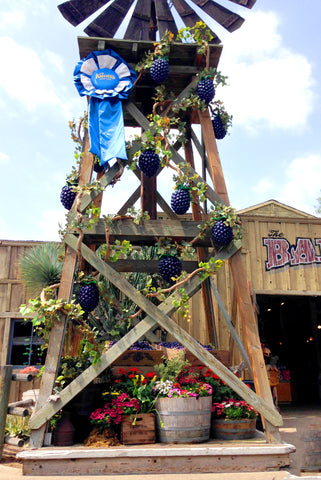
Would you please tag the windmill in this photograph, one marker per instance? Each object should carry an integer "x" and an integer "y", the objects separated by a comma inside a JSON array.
[{"x": 149, "y": 20}]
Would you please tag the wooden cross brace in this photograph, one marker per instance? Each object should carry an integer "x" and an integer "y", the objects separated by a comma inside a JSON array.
[{"x": 156, "y": 315}]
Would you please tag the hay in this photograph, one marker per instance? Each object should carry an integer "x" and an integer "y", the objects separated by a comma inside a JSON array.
[{"x": 107, "y": 438}]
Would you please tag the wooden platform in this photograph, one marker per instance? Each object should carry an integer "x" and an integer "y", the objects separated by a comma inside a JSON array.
[{"x": 214, "y": 456}]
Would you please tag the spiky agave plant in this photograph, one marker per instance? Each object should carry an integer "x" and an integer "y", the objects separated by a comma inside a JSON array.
[
  {"x": 112, "y": 314},
  {"x": 40, "y": 267}
]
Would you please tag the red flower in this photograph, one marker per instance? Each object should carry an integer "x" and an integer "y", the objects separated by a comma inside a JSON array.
[
  {"x": 132, "y": 375},
  {"x": 133, "y": 369},
  {"x": 150, "y": 375},
  {"x": 122, "y": 371}
]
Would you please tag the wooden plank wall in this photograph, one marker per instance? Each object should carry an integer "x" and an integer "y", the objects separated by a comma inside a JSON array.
[
  {"x": 11, "y": 297},
  {"x": 298, "y": 280}
]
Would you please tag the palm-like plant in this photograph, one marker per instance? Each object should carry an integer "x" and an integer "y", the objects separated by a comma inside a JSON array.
[{"x": 40, "y": 267}]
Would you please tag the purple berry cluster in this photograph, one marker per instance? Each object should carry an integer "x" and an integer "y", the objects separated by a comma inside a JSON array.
[
  {"x": 218, "y": 127},
  {"x": 159, "y": 70},
  {"x": 222, "y": 234},
  {"x": 169, "y": 267},
  {"x": 180, "y": 201},
  {"x": 205, "y": 90},
  {"x": 149, "y": 162},
  {"x": 67, "y": 196},
  {"x": 88, "y": 297}
]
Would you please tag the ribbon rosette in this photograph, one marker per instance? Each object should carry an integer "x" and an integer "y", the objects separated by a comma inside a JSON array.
[{"x": 107, "y": 79}]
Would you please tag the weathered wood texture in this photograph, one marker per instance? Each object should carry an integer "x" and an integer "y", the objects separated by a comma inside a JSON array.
[
  {"x": 148, "y": 17},
  {"x": 255, "y": 456},
  {"x": 5, "y": 380},
  {"x": 240, "y": 282}
]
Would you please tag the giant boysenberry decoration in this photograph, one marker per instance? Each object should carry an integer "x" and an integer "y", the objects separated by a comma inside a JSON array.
[
  {"x": 205, "y": 90},
  {"x": 222, "y": 234},
  {"x": 218, "y": 127},
  {"x": 159, "y": 70},
  {"x": 169, "y": 267},
  {"x": 88, "y": 296},
  {"x": 180, "y": 201},
  {"x": 67, "y": 196},
  {"x": 149, "y": 162}
]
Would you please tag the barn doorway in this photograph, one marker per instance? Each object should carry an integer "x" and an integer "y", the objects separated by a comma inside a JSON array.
[{"x": 291, "y": 327}]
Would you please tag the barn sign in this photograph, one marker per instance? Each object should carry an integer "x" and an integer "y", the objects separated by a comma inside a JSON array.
[{"x": 281, "y": 253}]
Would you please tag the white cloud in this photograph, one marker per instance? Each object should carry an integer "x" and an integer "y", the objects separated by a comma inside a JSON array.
[
  {"x": 303, "y": 183},
  {"x": 264, "y": 187},
  {"x": 4, "y": 158},
  {"x": 12, "y": 20},
  {"x": 49, "y": 225},
  {"x": 55, "y": 60},
  {"x": 27, "y": 80},
  {"x": 267, "y": 81}
]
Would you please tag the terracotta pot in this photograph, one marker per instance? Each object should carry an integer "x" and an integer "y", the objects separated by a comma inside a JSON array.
[
  {"x": 185, "y": 420},
  {"x": 233, "y": 429},
  {"x": 63, "y": 435}
]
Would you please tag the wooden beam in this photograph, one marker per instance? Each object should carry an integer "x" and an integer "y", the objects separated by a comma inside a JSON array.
[
  {"x": 201, "y": 252},
  {"x": 166, "y": 208},
  {"x": 38, "y": 418},
  {"x": 230, "y": 325},
  {"x": 130, "y": 202},
  {"x": 147, "y": 266},
  {"x": 5, "y": 383},
  {"x": 156, "y": 314},
  {"x": 164, "y": 321},
  {"x": 261, "y": 382},
  {"x": 177, "y": 158},
  {"x": 147, "y": 231},
  {"x": 49, "y": 409},
  {"x": 215, "y": 166},
  {"x": 57, "y": 333}
]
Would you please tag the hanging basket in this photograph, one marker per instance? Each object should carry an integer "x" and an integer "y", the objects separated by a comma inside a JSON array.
[{"x": 233, "y": 429}]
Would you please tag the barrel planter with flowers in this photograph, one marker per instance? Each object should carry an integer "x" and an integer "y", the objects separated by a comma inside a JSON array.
[
  {"x": 233, "y": 419},
  {"x": 183, "y": 406},
  {"x": 183, "y": 420}
]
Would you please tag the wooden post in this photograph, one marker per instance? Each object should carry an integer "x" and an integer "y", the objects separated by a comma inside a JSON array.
[
  {"x": 201, "y": 252},
  {"x": 148, "y": 195},
  {"x": 261, "y": 382},
  {"x": 5, "y": 383},
  {"x": 57, "y": 333}
]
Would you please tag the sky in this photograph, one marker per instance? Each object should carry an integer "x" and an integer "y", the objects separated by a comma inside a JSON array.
[{"x": 273, "y": 150}]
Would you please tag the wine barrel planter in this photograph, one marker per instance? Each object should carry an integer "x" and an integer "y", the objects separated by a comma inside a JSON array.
[
  {"x": 233, "y": 429},
  {"x": 185, "y": 420}
]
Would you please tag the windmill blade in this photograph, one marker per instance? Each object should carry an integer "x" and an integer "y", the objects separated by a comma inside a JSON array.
[
  {"x": 190, "y": 17},
  {"x": 244, "y": 3},
  {"x": 76, "y": 11},
  {"x": 229, "y": 20},
  {"x": 107, "y": 23},
  {"x": 141, "y": 23},
  {"x": 165, "y": 20}
]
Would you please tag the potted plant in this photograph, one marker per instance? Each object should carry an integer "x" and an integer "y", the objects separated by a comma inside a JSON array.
[
  {"x": 233, "y": 419},
  {"x": 183, "y": 404},
  {"x": 128, "y": 411}
]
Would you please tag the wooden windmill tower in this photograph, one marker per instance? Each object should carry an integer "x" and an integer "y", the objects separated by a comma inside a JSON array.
[{"x": 147, "y": 18}]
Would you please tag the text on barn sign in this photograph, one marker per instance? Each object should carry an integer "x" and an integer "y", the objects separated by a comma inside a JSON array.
[{"x": 281, "y": 253}]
